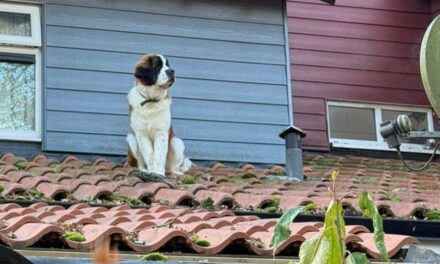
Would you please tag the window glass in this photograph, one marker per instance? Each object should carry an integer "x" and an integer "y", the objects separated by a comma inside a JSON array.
[
  {"x": 15, "y": 24},
  {"x": 352, "y": 123},
  {"x": 17, "y": 95}
]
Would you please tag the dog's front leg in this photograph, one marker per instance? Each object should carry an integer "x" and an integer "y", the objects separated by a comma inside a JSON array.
[
  {"x": 160, "y": 153},
  {"x": 146, "y": 151}
]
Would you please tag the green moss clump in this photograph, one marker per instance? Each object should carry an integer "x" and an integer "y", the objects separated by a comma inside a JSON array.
[
  {"x": 189, "y": 180},
  {"x": 155, "y": 256},
  {"x": 310, "y": 207},
  {"x": 34, "y": 193},
  {"x": 21, "y": 165},
  {"x": 202, "y": 243},
  {"x": 208, "y": 203},
  {"x": 249, "y": 175},
  {"x": 74, "y": 236},
  {"x": 433, "y": 214},
  {"x": 271, "y": 209},
  {"x": 2, "y": 188}
]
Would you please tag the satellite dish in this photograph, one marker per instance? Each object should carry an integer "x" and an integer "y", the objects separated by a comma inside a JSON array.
[{"x": 430, "y": 64}]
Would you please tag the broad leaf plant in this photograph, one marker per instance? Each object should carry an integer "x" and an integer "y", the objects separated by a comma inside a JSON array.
[{"x": 329, "y": 246}]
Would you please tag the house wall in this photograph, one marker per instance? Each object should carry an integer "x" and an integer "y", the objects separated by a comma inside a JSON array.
[
  {"x": 356, "y": 51},
  {"x": 230, "y": 98},
  {"x": 435, "y": 8}
]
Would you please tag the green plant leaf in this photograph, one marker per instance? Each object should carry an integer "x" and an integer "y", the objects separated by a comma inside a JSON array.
[
  {"x": 357, "y": 258},
  {"x": 282, "y": 228},
  {"x": 334, "y": 232},
  {"x": 369, "y": 209},
  {"x": 314, "y": 250}
]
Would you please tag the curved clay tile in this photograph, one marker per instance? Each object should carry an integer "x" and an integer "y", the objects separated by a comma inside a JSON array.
[
  {"x": 218, "y": 222},
  {"x": 15, "y": 222},
  {"x": 249, "y": 200},
  {"x": 22, "y": 210},
  {"x": 8, "y": 158},
  {"x": 38, "y": 205},
  {"x": 141, "y": 217},
  {"x": 90, "y": 191},
  {"x": 8, "y": 206},
  {"x": 12, "y": 188},
  {"x": 42, "y": 160},
  {"x": 7, "y": 169},
  {"x": 100, "y": 161},
  {"x": 74, "y": 212},
  {"x": 32, "y": 182},
  {"x": 8, "y": 215},
  {"x": 287, "y": 202},
  {"x": 355, "y": 229},
  {"x": 154, "y": 238},
  {"x": 189, "y": 218},
  {"x": 40, "y": 171},
  {"x": 179, "y": 211},
  {"x": 81, "y": 220},
  {"x": 163, "y": 214},
  {"x": 79, "y": 206},
  {"x": 194, "y": 188},
  {"x": 135, "y": 193},
  {"x": 155, "y": 208},
  {"x": 111, "y": 185},
  {"x": 393, "y": 243},
  {"x": 122, "y": 207},
  {"x": 92, "y": 215},
  {"x": 352, "y": 238},
  {"x": 92, "y": 210},
  {"x": 94, "y": 233},
  {"x": 222, "y": 213},
  {"x": 57, "y": 177},
  {"x": 175, "y": 197},
  {"x": 27, "y": 234},
  {"x": 218, "y": 239},
  {"x": 108, "y": 214},
  {"x": 73, "y": 184},
  {"x": 53, "y": 191},
  {"x": 217, "y": 166},
  {"x": 192, "y": 227},
  {"x": 204, "y": 215},
  {"x": 135, "y": 225},
  {"x": 248, "y": 229},
  {"x": 152, "y": 187},
  {"x": 247, "y": 167},
  {"x": 41, "y": 214},
  {"x": 57, "y": 218},
  {"x": 115, "y": 220},
  {"x": 219, "y": 198},
  {"x": 51, "y": 208},
  {"x": 17, "y": 176},
  {"x": 138, "y": 211},
  {"x": 265, "y": 223},
  {"x": 77, "y": 173},
  {"x": 265, "y": 238},
  {"x": 251, "y": 217},
  {"x": 404, "y": 210},
  {"x": 264, "y": 191}
]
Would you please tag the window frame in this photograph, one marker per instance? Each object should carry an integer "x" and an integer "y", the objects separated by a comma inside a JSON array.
[
  {"x": 35, "y": 20},
  {"x": 34, "y": 135},
  {"x": 379, "y": 144}
]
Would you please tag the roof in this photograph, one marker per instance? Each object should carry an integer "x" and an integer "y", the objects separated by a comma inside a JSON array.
[{"x": 171, "y": 219}]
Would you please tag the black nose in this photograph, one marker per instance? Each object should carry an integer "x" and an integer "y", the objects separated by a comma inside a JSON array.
[{"x": 170, "y": 73}]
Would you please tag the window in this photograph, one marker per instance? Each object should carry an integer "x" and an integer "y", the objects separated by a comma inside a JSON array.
[
  {"x": 357, "y": 125},
  {"x": 20, "y": 68}
]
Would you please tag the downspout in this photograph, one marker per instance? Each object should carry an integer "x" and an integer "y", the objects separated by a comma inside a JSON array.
[{"x": 292, "y": 134}]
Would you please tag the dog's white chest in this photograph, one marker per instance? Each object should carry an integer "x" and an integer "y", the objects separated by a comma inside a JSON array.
[{"x": 151, "y": 116}]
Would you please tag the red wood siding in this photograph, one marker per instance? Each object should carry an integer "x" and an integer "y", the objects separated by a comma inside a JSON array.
[
  {"x": 435, "y": 8},
  {"x": 355, "y": 51}
]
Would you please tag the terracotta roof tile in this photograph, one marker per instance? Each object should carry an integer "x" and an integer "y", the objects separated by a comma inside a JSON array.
[{"x": 397, "y": 192}]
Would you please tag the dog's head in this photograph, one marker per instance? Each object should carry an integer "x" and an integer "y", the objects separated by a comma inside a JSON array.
[{"x": 154, "y": 70}]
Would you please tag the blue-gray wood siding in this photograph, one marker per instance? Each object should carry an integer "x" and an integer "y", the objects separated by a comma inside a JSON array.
[{"x": 230, "y": 99}]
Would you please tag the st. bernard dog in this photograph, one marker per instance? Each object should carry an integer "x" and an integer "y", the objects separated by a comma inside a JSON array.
[{"x": 152, "y": 145}]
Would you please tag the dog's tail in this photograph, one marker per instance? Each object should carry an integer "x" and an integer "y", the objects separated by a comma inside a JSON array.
[{"x": 104, "y": 254}]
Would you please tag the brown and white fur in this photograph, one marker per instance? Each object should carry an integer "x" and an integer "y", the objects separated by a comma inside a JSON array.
[{"x": 152, "y": 144}]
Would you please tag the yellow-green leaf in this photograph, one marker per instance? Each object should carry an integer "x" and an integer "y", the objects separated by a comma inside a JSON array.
[
  {"x": 314, "y": 250},
  {"x": 357, "y": 258},
  {"x": 335, "y": 175},
  {"x": 369, "y": 209},
  {"x": 334, "y": 232},
  {"x": 282, "y": 228}
]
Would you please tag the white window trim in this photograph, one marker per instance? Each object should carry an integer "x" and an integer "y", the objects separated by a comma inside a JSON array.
[
  {"x": 6, "y": 134},
  {"x": 34, "y": 12},
  {"x": 379, "y": 144}
]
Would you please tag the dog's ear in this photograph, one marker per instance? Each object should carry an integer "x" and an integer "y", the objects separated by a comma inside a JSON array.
[
  {"x": 147, "y": 75},
  {"x": 145, "y": 71}
]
